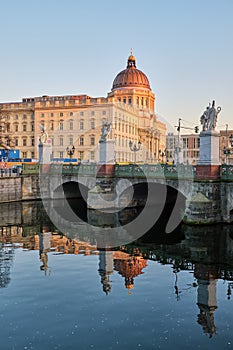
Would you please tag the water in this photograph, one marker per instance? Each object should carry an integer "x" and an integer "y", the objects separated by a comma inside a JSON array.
[{"x": 160, "y": 292}]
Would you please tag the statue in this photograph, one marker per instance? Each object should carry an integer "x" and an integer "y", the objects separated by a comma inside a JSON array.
[
  {"x": 205, "y": 119},
  {"x": 43, "y": 136},
  {"x": 209, "y": 117},
  {"x": 105, "y": 130}
]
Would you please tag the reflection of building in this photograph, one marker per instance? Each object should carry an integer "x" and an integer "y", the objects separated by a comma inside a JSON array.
[
  {"x": 106, "y": 269},
  {"x": 77, "y": 120},
  {"x": 129, "y": 267},
  {"x": 206, "y": 296},
  {"x": 44, "y": 244},
  {"x": 6, "y": 259}
]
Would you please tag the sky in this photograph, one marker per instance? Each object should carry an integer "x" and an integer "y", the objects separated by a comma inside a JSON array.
[{"x": 67, "y": 47}]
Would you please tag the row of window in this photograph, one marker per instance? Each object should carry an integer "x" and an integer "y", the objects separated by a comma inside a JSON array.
[
  {"x": 140, "y": 101},
  {"x": 71, "y": 141},
  {"x": 61, "y": 114}
]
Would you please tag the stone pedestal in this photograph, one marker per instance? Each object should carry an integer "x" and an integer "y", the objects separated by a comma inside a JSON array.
[
  {"x": 45, "y": 152},
  {"x": 208, "y": 167},
  {"x": 204, "y": 206},
  {"x": 106, "y": 164},
  {"x": 209, "y": 148}
]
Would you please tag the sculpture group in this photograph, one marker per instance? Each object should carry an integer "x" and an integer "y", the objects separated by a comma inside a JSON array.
[
  {"x": 209, "y": 117},
  {"x": 106, "y": 127}
]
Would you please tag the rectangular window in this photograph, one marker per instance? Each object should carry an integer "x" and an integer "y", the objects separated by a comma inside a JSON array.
[
  {"x": 92, "y": 155},
  {"x": 24, "y": 116},
  {"x": 104, "y": 112},
  {"x": 81, "y": 124},
  {"x": 81, "y": 155},
  {"x": 81, "y": 141},
  {"x": 24, "y": 127},
  {"x": 16, "y": 142},
  {"x": 33, "y": 142},
  {"x": 71, "y": 114},
  {"x": 42, "y": 115},
  {"x": 92, "y": 113},
  {"x": 71, "y": 125},
  {"x": 16, "y": 117},
  {"x": 71, "y": 141},
  {"x": 61, "y": 125},
  {"x": 33, "y": 154},
  {"x": 52, "y": 126},
  {"x": 82, "y": 113},
  {"x": 51, "y": 115},
  {"x": 61, "y": 141},
  {"x": 24, "y": 154},
  {"x": 32, "y": 127},
  {"x": 61, "y": 114},
  {"x": 24, "y": 142},
  {"x": 92, "y": 124},
  {"x": 92, "y": 141},
  {"x": 16, "y": 127},
  {"x": 61, "y": 154}
]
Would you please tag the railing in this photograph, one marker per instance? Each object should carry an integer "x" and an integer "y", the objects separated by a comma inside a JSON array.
[
  {"x": 129, "y": 170},
  {"x": 155, "y": 171},
  {"x": 227, "y": 172},
  {"x": 28, "y": 169}
]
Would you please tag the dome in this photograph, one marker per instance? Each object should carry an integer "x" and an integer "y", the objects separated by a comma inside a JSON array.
[{"x": 131, "y": 77}]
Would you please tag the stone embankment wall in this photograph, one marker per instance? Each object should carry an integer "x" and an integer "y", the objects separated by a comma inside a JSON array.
[
  {"x": 19, "y": 188},
  {"x": 10, "y": 189}
]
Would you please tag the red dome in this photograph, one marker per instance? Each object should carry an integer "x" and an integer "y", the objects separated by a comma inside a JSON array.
[{"x": 131, "y": 77}]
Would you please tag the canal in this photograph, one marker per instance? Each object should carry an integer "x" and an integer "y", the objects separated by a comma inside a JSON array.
[{"x": 65, "y": 289}]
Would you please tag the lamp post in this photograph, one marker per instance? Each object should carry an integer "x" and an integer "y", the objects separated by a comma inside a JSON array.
[
  {"x": 135, "y": 147},
  {"x": 228, "y": 150},
  {"x": 70, "y": 151}
]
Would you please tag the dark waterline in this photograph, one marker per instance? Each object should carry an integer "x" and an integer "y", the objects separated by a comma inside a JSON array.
[{"x": 162, "y": 291}]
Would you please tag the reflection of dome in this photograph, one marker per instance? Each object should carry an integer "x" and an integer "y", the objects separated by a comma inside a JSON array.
[{"x": 131, "y": 77}]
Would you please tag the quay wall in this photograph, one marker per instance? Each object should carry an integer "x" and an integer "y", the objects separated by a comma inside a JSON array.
[{"x": 19, "y": 188}]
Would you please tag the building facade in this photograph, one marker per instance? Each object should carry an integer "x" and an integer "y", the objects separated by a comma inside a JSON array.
[
  {"x": 76, "y": 120},
  {"x": 190, "y": 144}
]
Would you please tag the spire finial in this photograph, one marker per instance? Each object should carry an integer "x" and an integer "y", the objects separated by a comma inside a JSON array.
[{"x": 131, "y": 51}]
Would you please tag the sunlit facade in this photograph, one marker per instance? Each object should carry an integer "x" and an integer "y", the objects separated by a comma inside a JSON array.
[{"x": 77, "y": 120}]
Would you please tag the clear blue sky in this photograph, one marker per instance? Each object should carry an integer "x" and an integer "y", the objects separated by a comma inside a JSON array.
[{"x": 57, "y": 47}]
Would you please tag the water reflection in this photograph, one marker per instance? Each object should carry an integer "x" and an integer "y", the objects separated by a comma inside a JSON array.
[{"x": 205, "y": 252}]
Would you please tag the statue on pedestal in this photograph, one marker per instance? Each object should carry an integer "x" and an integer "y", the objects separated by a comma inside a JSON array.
[
  {"x": 106, "y": 127},
  {"x": 44, "y": 135},
  {"x": 209, "y": 117}
]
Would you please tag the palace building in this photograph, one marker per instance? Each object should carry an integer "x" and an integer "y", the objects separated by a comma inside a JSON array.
[{"x": 76, "y": 120}]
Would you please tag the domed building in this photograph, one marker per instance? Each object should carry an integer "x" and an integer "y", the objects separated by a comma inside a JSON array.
[
  {"x": 77, "y": 120},
  {"x": 131, "y": 86}
]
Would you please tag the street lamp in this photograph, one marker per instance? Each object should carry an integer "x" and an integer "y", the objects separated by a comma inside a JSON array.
[
  {"x": 228, "y": 150},
  {"x": 231, "y": 140},
  {"x": 70, "y": 151},
  {"x": 135, "y": 147}
]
